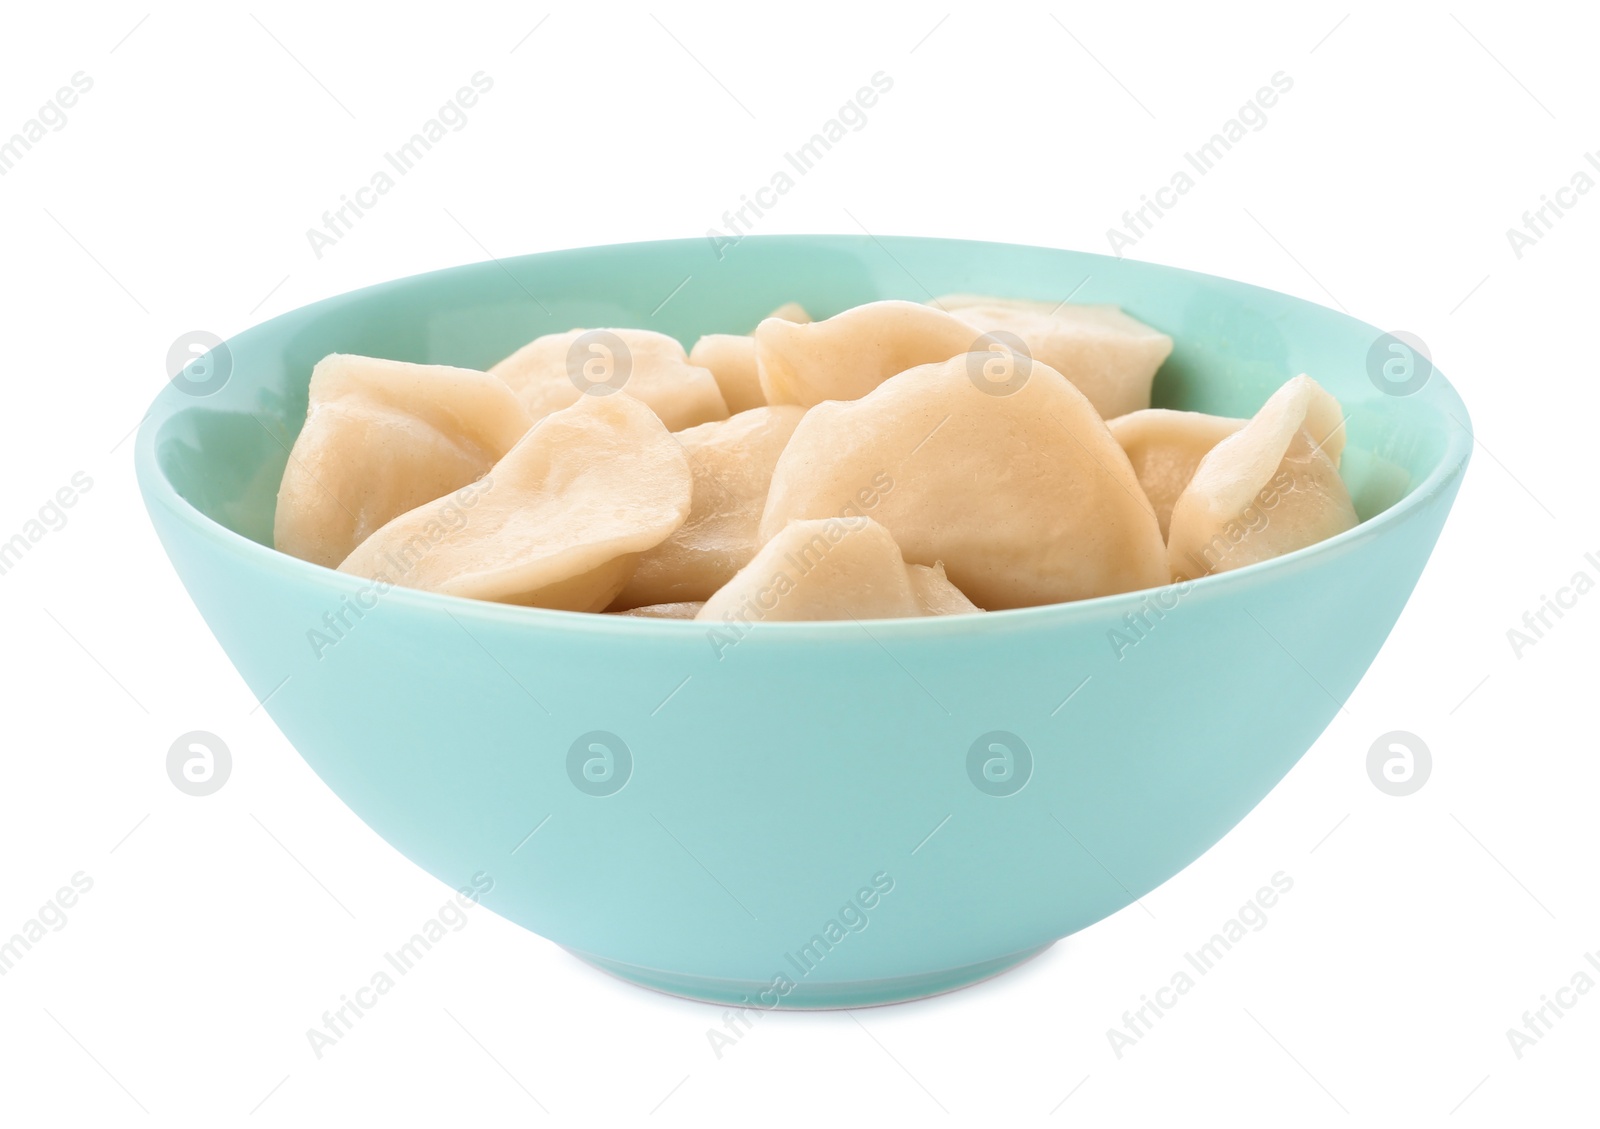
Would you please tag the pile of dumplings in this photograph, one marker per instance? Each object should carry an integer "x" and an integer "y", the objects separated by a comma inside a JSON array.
[{"x": 898, "y": 459}]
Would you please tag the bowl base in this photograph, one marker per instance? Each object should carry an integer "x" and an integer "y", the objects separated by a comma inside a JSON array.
[{"x": 809, "y": 995}]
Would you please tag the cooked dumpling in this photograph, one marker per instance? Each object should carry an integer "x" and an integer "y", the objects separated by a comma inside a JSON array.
[
  {"x": 685, "y": 610},
  {"x": 731, "y": 357},
  {"x": 1165, "y": 446},
  {"x": 1026, "y": 498},
  {"x": 833, "y": 568},
  {"x": 1270, "y": 488},
  {"x": 848, "y": 355},
  {"x": 558, "y": 523},
  {"x": 732, "y": 462},
  {"x": 791, "y": 311},
  {"x": 383, "y": 437},
  {"x": 936, "y": 594},
  {"x": 1110, "y": 357},
  {"x": 551, "y": 372}
]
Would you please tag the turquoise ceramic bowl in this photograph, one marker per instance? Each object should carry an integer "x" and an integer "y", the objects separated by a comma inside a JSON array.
[{"x": 824, "y": 814}]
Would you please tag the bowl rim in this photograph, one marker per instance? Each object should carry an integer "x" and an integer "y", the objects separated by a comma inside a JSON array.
[{"x": 157, "y": 489}]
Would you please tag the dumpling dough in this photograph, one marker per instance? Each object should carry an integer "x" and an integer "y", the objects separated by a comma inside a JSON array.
[
  {"x": 791, "y": 311},
  {"x": 731, "y": 357},
  {"x": 1026, "y": 498},
  {"x": 383, "y": 437},
  {"x": 1270, "y": 488},
  {"x": 732, "y": 462},
  {"x": 732, "y": 360},
  {"x": 848, "y": 355},
  {"x": 684, "y": 610},
  {"x": 558, "y": 523},
  {"x": 1165, "y": 446},
  {"x": 1110, "y": 357},
  {"x": 833, "y": 568},
  {"x": 936, "y": 594},
  {"x": 658, "y": 372}
]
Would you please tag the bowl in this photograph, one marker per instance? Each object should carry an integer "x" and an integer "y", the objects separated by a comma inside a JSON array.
[{"x": 810, "y": 814}]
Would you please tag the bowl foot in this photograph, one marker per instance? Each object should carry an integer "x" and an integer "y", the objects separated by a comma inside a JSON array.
[{"x": 806, "y": 993}]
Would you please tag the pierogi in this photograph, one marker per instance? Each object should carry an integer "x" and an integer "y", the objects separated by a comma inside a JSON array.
[
  {"x": 935, "y": 593},
  {"x": 832, "y": 568},
  {"x": 1165, "y": 446},
  {"x": 1107, "y": 355},
  {"x": 551, "y": 372},
  {"x": 381, "y": 438},
  {"x": 848, "y": 355},
  {"x": 558, "y": 523},
  {"x": 791, "y": 311},
  {"x": 1026, "y": 497},
  {"x": 732, "y": 462},
  {"x": 1270, "y": 488},
  {"x": 731, "y": 357},
  {"x": 686, "y": 610},
  {"x": 896, "y": 460}
]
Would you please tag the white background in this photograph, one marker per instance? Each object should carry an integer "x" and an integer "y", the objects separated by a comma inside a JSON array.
[{"x": 218, "y": 930}]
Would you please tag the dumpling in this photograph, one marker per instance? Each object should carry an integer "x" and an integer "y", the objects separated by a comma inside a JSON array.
[
  {"x": 383, "y": 437},
  {"x": 936, "y": 594},
  {"x": 551, "y": 372},
  {"x": 791, "y": 311},
  {"x": 731, "y": 357},
  {"x": 1026, "y": 498},
  {"x": 832, "y": 568},
  {"x": 685, "y": 610},
  {"x": 848, "y": 355},
  {"x": 1110, "y": 357},
  {"x": 1270, "y": 488},
  {"x": 1165, "y": 446},
  {"x": 732, "y": 462},
  {"x": 558, "y": 523}
]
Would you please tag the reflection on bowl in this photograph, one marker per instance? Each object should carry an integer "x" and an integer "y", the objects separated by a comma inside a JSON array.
[{"x": 823, "y": 814}]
